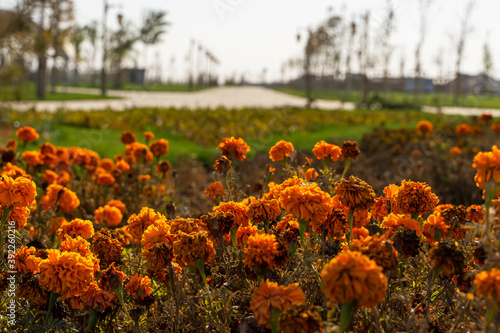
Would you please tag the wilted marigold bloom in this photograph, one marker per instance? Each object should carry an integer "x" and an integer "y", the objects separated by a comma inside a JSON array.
[
  {"x": 263, "y": 209},
  {"x": 159, "y": 147},
  {"x": 335, "y": 225},
  {"x": 159, "y": 256},
  {"x": 186, "y": 225},
  {"x": 107, "y": 245},
  {"x": 243, "y": 233},
  {"x": 395, "y": 221},
  {"x": 289, "y": 228},
  {"x": 139, "y": 286},
  {"x": 66, "y": 273},
  {"x": 269, "y": 294},
  {"x": 32, "y": 157},
  {"x": 218, "y": 223},
  {"x": 16, "y": 192},
  {"x": 349, "y": 149},
  {"x": 214, "y": 190},
  {"x": 301, "y": 318},
  {"x": 128, "y": 138},
  {"x": 109, "y": 214},
  {"x": 475, "y": 213},
  {"x": 30, "y": 290},
  {"x": 191, "y": 247},
  {"x": 236, "y": 148},
  {"x": 68, "y": 201},
  {"x": 355, "y": 193},
  {"x": 414, "y": 197},
  {"x": 77, "y": 227},
  {"x": 306, "y": 202},
  {"x": 377, "y": 249},
  {"x": 424, "y": 126},
  {"x": 487, "y": 165},
  {"x": 488, "y": 284},
  {"x": 223, "y": 165},
  {"x": 163, "y": 167},
  {"x": 239, "y": 210},
  {"x": 11, "y": 145},
  {"x": 27, "y": 134},
  {"x": 431, "y": 225},
  {"x": 352, "y": 277},
  {"x": 96, "y": 298},
  {"x": 138, "y": 223},
  {"x": 111, "y": 278},
  {"x": 281, "y": 149},
  {"x": 261, "y": 251},
  {"x": 448, "y": 258},
  {"x": 323, "y": 150},
  {"x": 462, "y": 129},
  {"x": 158, "y": 232}
]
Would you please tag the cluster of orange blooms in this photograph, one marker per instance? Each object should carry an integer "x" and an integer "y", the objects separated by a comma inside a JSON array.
[{"x": 266, "y": 229}]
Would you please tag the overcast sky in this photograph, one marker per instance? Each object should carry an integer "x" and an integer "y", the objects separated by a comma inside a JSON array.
[{"x": 248, "y": 36}]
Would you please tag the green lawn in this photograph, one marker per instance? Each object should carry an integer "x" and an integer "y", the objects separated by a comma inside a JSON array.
[
  {"x": 165, "y": 87},
  {"x": 492, "y": 102},
  {"x": 28, "y": 93}
]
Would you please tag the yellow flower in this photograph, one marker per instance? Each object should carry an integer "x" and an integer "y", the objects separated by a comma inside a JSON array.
[
  {"x": 269, "y": 294},
  {"x": 352, "y": 277},
  {"x": 488, "y": 284},
  {"x": 66, "y": 273},
  {"x": 415, "y": 197},
  {"x": 355, "y": 193},
  {"x": 281, "y": 149}
]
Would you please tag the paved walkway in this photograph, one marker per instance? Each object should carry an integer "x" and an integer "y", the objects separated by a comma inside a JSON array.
[{"x": 227, "y": 97}]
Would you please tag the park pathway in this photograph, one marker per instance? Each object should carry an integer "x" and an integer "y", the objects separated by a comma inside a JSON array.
[{"x": 226, "y": 97}]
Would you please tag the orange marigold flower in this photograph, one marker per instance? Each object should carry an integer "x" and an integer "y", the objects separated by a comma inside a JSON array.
[
  {"x": 434, "y": 227},
  {"x": 144, "y": 177},
  {"x": 487, "y": 165},
  {"x": 63, "y": 178},
  {"x": 455, "y": 151},
  {"x": 214, "y": 190},
  {"x": 125, "y": 235},
  {"x": 323, "y": 150},
  {"x": 14, "y": 171},
  {"x": 158, "y": 232},
  {"x": 236, "y": 148},
  {"x": 352, "y": 277},
  {"x": 311, "y": 174},
  {"x": 360, "y": 233},
  {"x": 355, "y": 193},
  {"x": 379, "y": 209},
  {"x": 18, "y": 192},
  {"x": 76, "y": 244},
  {"x": 275, "y": 190},
  {"x": 11, "y": 145},
  {"x": 55, "y": 224},
  {"x": 462, "y": 129},
  {"x": 107, "y": 164},
  {"x": 243, "y": 233},
  {"x": 239, "y": 210},
  {"x": 159, "y": 256},
  {"x": 281, "y": 149},
  {"x": 159, "y": 147},
  {"x": 475, "y": 213},
  {"x": 263, "y": 209},
  {"x": 32, "y": 157},
  {"x": 222, "y": 165},
  {"x": 414, "y": 197},
  {"x": 21, "y": 259},
  {"x": 300, "y": 318},
  {"x": 111, "y": 278},
  {"x": 186, "y": 225},
  {"x": 77, "y": 227},
  {"x": 377, "y": 249},
  {"x": 50, "y": 177},
  {"x": 139, "y": 150},
  {"x": 139, "y": 286},
  {"x": 96, "y": 298},
  {"x": 68, "y": 201},
  {"x": 395, "y": 221},
  {"x": 66, "y": 273},
  {"x": 495, "y": 128},
  {"x": 163, "y": 167},
  {"x": 107, "y": 245},
  {"x": 488, "y": 284},
  {"x": 19, "y": 215},
  {"x": 105, "y": 179},
  {"x": 289, "y": 228},
  {"x": 349, "y": 149},
  {"x": 335, "y": 226},
  {"x": 306, "y": 202},
  {"x": 260, "y": 252},
  {"x": 27, "y": 134},
  {"x": 148, "y": 136},
  {"x": 269, "y": 294},
  {"x": 118, "y": 204},
  {"x": 128, "y": 138},
  {"x": 111, "y": 215},
  {"x": 424, "y": 127},
  {"x": 138, "y": 223},
  {"x": 191, "y": 247},
  {"x": 123, "y": 166}
]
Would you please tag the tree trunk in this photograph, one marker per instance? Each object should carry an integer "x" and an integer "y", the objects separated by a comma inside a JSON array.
[
  {"x": 456, "y": 94},
  {"x": 53, "y": 76}
]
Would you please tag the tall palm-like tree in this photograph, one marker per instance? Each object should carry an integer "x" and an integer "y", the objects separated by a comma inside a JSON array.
[{"x": 153, "y": 27}]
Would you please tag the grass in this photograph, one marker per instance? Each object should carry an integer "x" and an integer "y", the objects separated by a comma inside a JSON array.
[
  {"x": 157, "y": 87},
  {"x": 27, "y": 92},
  {"x": 430, "y": 99}
]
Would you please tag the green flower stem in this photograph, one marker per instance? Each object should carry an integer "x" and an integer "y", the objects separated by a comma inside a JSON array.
[
  {"x": 266, "y": 225},
  {"x": 200, "y": 263},
  {"x": 52, "y": 301},
  {"x": 346, "y": 166},
  {"x": 6, "y": 212},
  {"x": 92, "y": 320},
  {"x": 119, "y": 295},
  {"x": 275, "y": 316},
  {"x": 233, "y": 236},
  {"x": 302, "y": 231},
  {"x": 491, "y": 188},
  {"x": 174, "y": 293},
  {"x": 228, "y": 188},
  {"x": 346, "y": 312},
  {"x": 350, "y": 218}
]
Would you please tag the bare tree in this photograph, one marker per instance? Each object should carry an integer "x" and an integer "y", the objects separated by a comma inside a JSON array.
[
  {"x": 385, "y": 44},
  {"x": 487, "y": 68},
  {"x": 465, "y": 30},
  {"x": 350, "y": 43},
  {"x": 363, "y": 56},
  {"x": 424, "y": 6}
]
